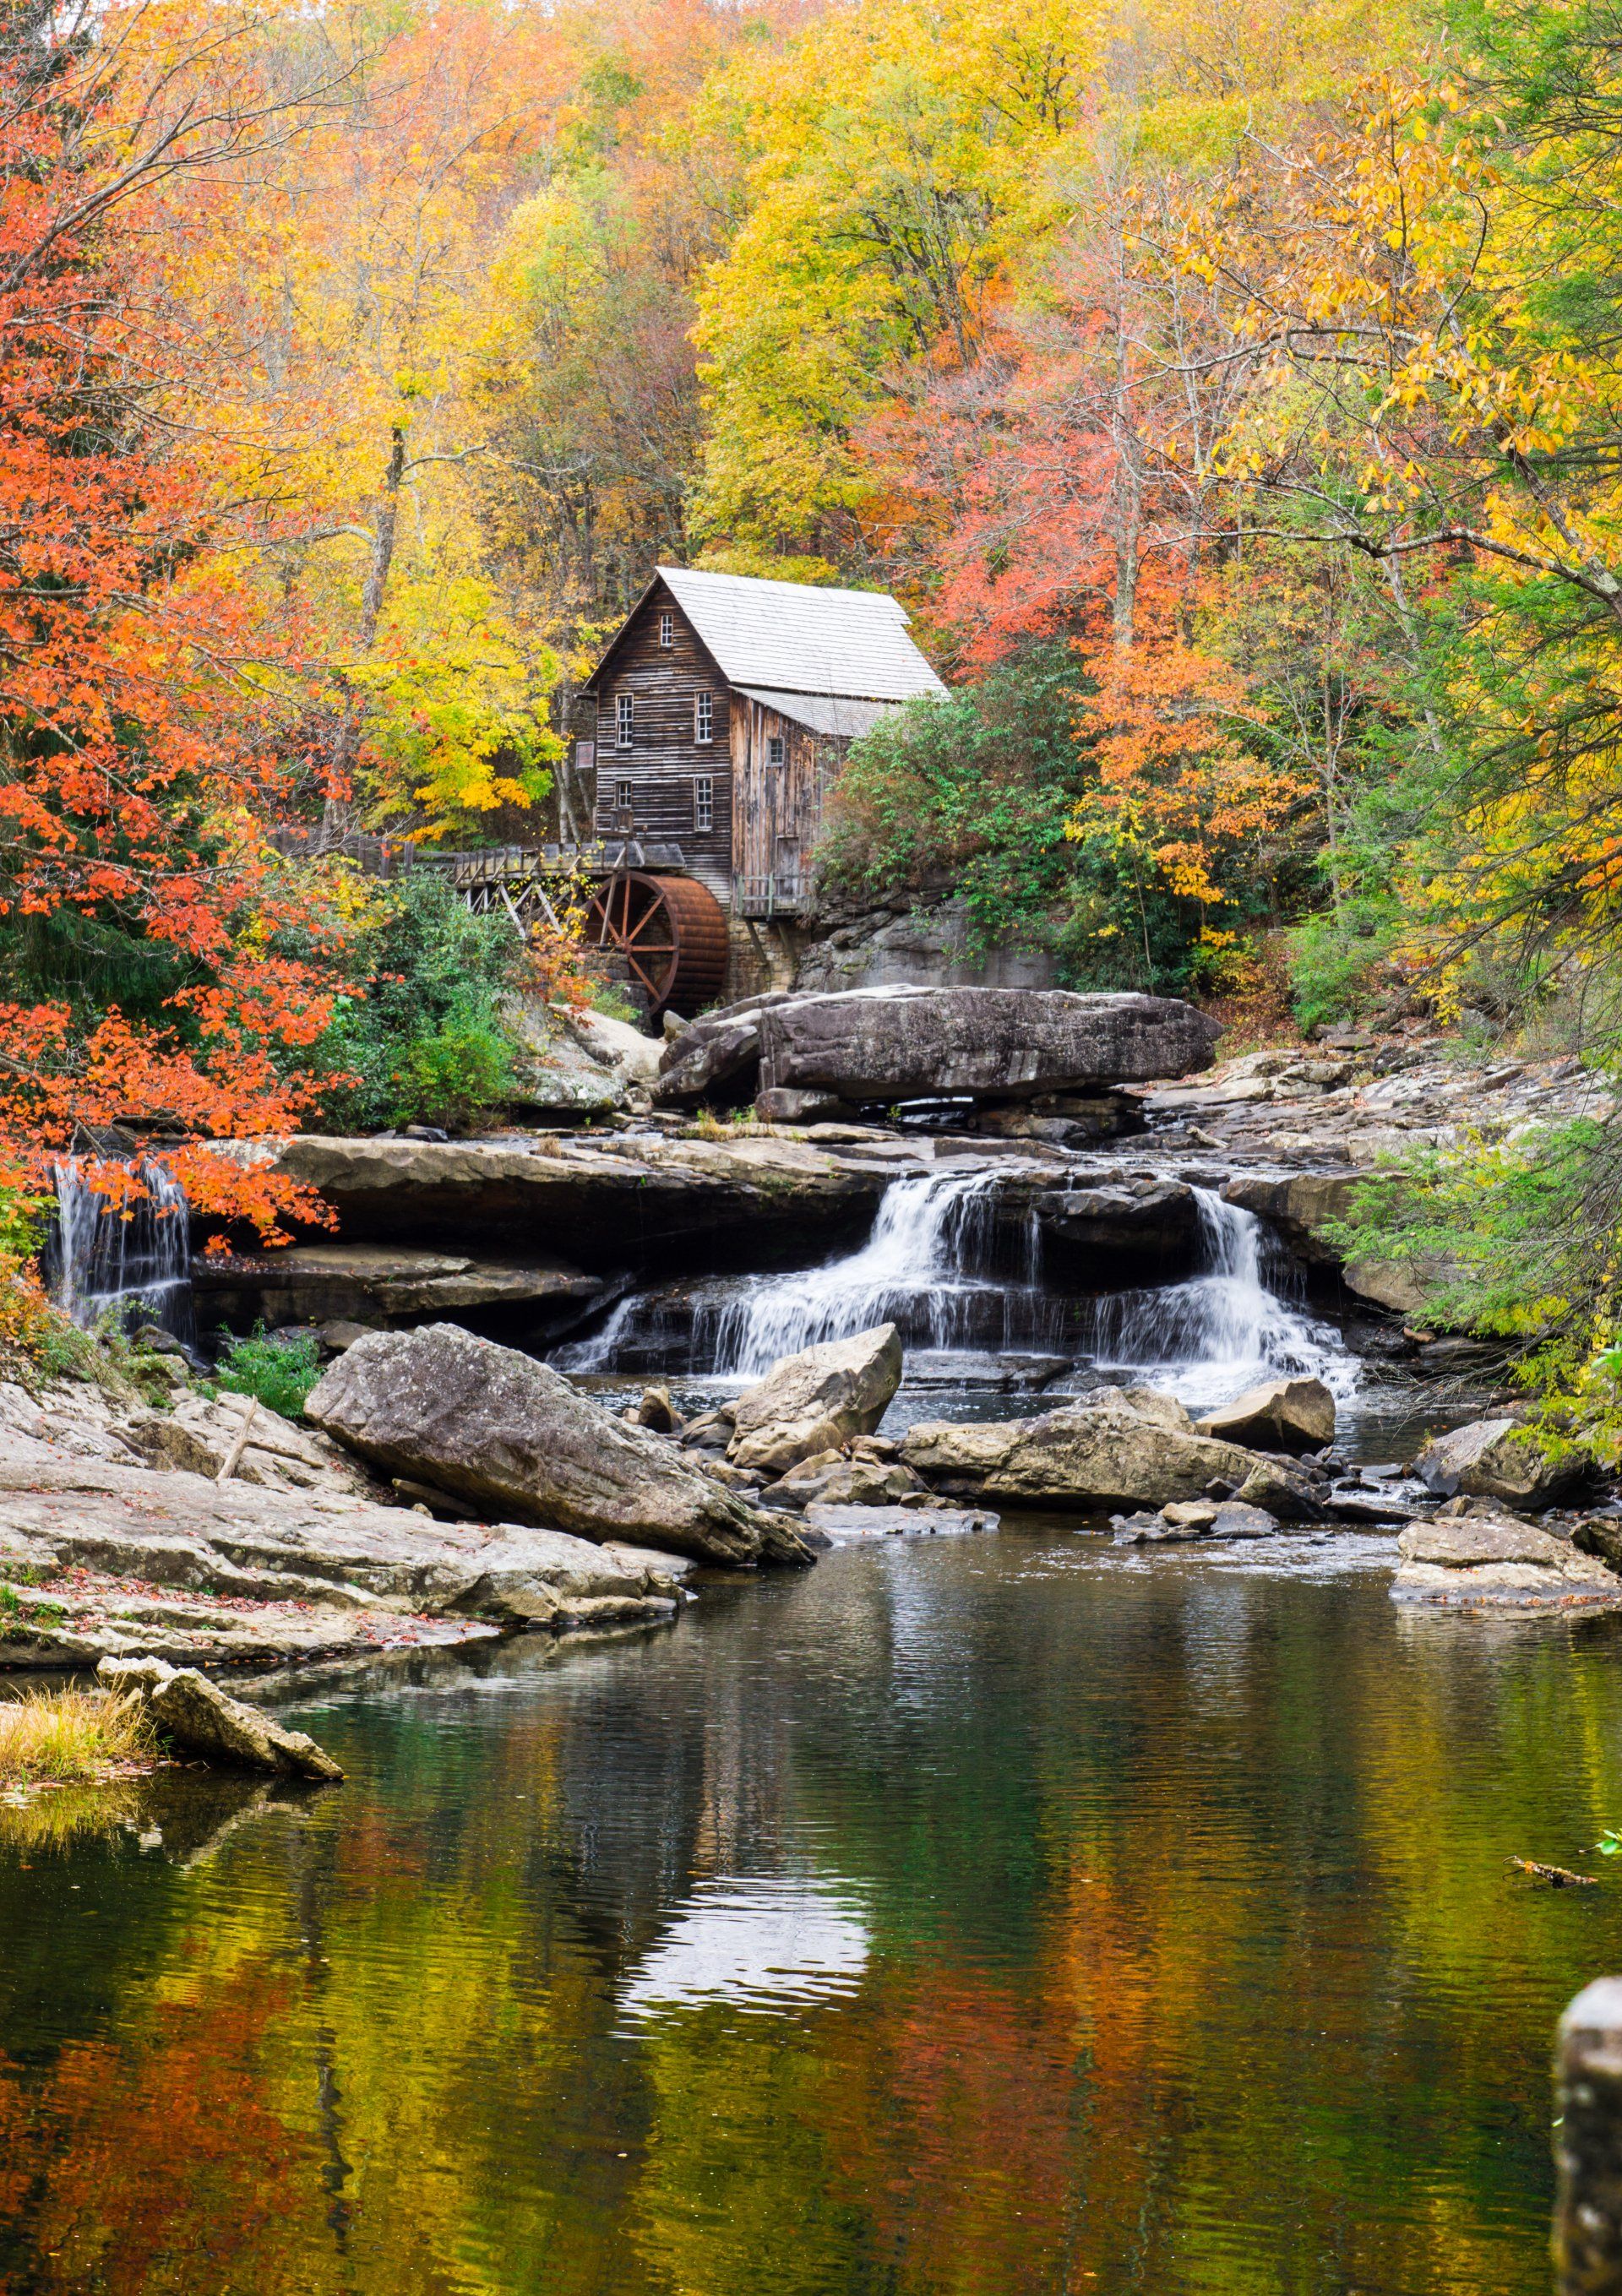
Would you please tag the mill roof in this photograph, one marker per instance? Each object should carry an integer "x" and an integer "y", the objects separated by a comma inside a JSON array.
[{"x": 796, "y": 637}]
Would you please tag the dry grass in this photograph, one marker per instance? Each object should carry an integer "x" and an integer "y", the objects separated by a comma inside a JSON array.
[{"x": 71, "y": 1737}]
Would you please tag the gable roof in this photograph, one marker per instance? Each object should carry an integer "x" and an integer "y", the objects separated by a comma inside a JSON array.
[{"x": 795, "y": 637}]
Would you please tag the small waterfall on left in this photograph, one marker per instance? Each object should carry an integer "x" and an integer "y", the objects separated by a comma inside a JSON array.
[{"x": 127, "y": 1251}]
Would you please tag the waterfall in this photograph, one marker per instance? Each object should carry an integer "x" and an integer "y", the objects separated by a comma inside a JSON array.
[
  {"x": 122, "y": 1251},
  {"x": 1224, "y": 1330},
  {"x": 915, "y": 1270}
]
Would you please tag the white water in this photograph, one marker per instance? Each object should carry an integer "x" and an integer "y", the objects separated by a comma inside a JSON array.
[
  {"x": 124, "y": 1253},
  {"x": 915, "y": 1270},
  {"x": 929, "y": 1266},
  {"x": 1223, "y": 1330}
]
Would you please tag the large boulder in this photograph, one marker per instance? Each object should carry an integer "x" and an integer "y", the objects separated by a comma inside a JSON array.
[
  {"x": 1138, "y": 1226},
  {"x": 202, "y": 1718},
  {"x": 1490, "y": 1558},
  {"x": 1498, "y": 1459},
  {"x": 440, "y": 1406},
  {"x": 1126, "y": 1447},
  {"x": 824, "y": 1397},
  {"x": 1283, "y": 1415},
  {"x": 910, "y": 1044}
]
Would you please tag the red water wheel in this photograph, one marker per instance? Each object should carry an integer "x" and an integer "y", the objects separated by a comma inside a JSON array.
[{"x": 669, "y": 932}]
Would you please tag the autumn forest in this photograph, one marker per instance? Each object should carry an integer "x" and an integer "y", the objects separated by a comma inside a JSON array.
[{"x": 1228, "y": 395}]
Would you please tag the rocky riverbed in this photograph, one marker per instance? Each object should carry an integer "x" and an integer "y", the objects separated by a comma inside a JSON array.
[{"x": 1109, "y": 1278}]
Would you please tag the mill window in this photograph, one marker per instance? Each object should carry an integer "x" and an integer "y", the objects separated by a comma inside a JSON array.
[
  {"x": 774, "y": 750},
  {"x": 667, "y": 630},
  {"x": 625, "y": 719},
  {"x": 704, "y": 718},
  {"x": 625, "y": 794},
  {"x": 703, "y": 803}
]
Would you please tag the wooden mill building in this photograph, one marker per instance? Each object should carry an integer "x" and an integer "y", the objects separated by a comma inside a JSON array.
[{"x": 724, "y": 706}]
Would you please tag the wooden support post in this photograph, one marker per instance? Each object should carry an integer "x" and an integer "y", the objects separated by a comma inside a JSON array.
[{"x": 1588, "y": 2143}]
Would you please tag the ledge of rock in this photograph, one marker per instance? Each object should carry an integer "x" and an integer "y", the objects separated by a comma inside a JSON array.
[
  {"x": 202, "y": 1718},
  {"x": 1130, "y": 1446},
  {"x": 569, "y": 1201},
  {"x": 99, "y": 1558},
  {"x": 1490, "y": 1558},
  {"x": 372, "y": 1283},
  {"x": 441, "y": 1406}
]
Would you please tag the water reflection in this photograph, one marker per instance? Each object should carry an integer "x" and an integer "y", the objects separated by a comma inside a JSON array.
[
  {"x": 995, "y": 1918},
  {"x": 759, "y": 1944}
]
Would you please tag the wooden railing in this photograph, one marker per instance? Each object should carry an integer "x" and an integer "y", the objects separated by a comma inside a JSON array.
[{"x": 787, "y": 893}]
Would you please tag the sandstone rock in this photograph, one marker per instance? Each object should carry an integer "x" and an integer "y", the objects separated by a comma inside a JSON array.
[
  {"x": 1495, "y": 1459},
  {"x": 603, "y": 1204},
  {"x": 1128, "y": 1445},
  {"x": 1139, "y": 1226},
  {"x": 1285, "y": 1414},
  {"x": 656, "y": 1410},
  {"x": 785, "y": 1105},
  {"x": 828, "y": 1480},
  {"x": 1204, "y": 1520},
  {"x": 816, "y": 1400},
  {"x": 1495, "y": 1559},
  {"x": 1283, "y": 1489},
  {"x": 842, "y": 1525},
  {"x": 202, "y": 1718},
  {"x": 113, "y": 1560},
  {"x": 511, "y": 1433},
  {"x": 706, "y": 1055},
  {"x": 901, "y": 1044},
  {"x": 318, "y": 1282}
]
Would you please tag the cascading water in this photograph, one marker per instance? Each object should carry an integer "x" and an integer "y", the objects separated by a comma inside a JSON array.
[
  {"x": 937, "y": 1264},
  {"x": 915, "y": 1270},
  {"x": 1223, "y": 1330},
  {"x": 127, "y": 1253}
]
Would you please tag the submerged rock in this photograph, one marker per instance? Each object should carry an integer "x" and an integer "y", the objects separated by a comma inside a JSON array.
[
  {"x": 489, "y": 1424},
  {"x": 202, "y": 1718},
  {"x": 1285, "y": 1414},
  {"x": 1211, "y": 1519},
  {"x": 816, "y": 1400},
  {"x": 1497, "y": 1459},
  {"x": 1127, "y": 1445},
  {"x": 1492, "y": 1558}
]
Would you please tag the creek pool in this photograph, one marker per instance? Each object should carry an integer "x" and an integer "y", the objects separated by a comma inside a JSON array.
[{"x": 975, "y": 1916}]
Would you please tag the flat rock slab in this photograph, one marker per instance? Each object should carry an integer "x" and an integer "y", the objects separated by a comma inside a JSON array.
[
  {"x": 101, "y": 1560},
  {"x": 1498, "y": 1562},
  {"x": 844, "y": 1525},
  {"x": 317, "y": 1282},
  {"x": 910, "y": 1044},
  {"x": 597, "y": 1204}
]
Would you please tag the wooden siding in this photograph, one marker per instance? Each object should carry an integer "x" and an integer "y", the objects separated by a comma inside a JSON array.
[
  {"x": 665, "y": 757},
  {"x": 777, "y": 810}
]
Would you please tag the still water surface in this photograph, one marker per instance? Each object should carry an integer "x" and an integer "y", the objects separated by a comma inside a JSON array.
[{"x": 974, "y": 1917}]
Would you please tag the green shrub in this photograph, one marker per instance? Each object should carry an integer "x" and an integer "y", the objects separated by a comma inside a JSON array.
[
  {"x": 423, "y": 1040},
  {"x": 280, "y": 1373}
]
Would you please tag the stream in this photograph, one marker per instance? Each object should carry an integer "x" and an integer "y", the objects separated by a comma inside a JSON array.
[
  {"x": 995, "y": 1917},
  {"x": 984, "y": 1916}
]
